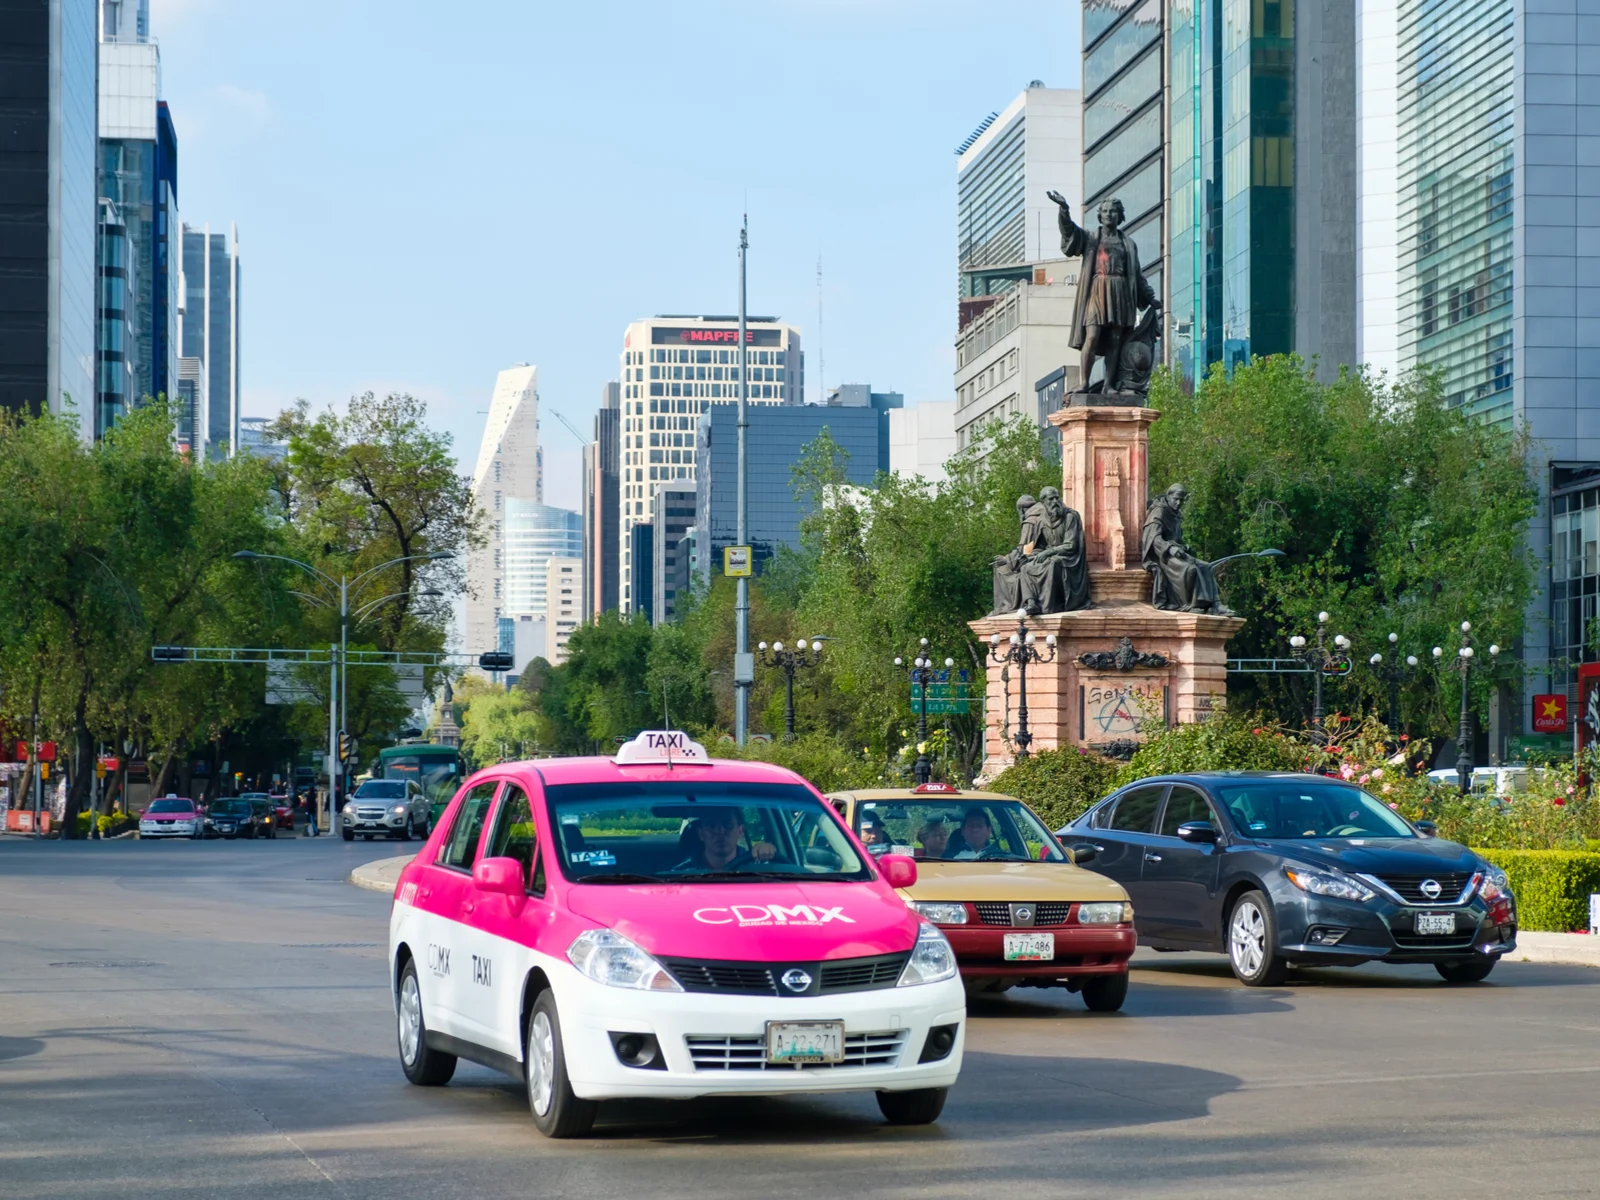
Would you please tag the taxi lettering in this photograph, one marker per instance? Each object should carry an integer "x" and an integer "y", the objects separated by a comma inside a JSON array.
[
  {"x": 772, "y": 914},
  {"x": 480, "y": 970},
  {"x": 439, "y": 960}
]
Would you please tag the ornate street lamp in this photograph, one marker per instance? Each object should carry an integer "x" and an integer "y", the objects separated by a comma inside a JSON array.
[
  {"x": 1463, "y": 664},
  {"x": 1321, "y": 661},
  {"x": 922, "y": 673},
  {"x": 1020, "y": 650},
  {"x": 805, "y": 654},
  {"x": 1395, "y": 674}
]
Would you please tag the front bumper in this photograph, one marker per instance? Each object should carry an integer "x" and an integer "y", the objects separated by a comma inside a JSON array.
[
  {"x": 1380, "y": 930},
  {"x": 388, "y": 823},
  {"x": 591, "y": 1012},
  {"x": 1080, "y": 950},
  {"x": 157, "y": 829}
]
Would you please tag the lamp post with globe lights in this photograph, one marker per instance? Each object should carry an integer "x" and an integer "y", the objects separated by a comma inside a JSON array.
[
  {"x": 1463, "y": 664},
  {"x": 1394, "y": 674},
  {"x": 804, "y": 655},
  {"x": 1321, "y": 661},
  {"x": 922, "y": 673},
  {"x": 1020, "y": 650}
]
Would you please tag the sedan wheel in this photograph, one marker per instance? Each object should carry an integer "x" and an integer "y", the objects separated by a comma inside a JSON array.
[
  {"x": 424, "y": 1067},
  {"x": 1252, "y": 940},
  {"x": 557, "y": 1111}
]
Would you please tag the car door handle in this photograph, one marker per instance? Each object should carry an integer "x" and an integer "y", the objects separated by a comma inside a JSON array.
[
  {"x": 1148, "y": 857},
  {"x": 468, "y": 906}
]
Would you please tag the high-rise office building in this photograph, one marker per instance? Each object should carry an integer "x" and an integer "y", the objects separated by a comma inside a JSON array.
[
  {"x": 1004, "y": 219},
  {"x": 48, "y": 66},
  {"x": 861, "y": 395},
  {"x": 138, "y": 189},
  {"x": 672, "y": 368},
  {"x": 1262, "y": 191},
  {"x": 922, "y": 439},
  {"x": 563, "y": 589},
  {"x": 1123, "y": 123},
  {"x": 671, "y": 516},
  {"x": 1377, "y": 187},
  {"x": 775, "y": 440},
  {"x": 510, "y": 466},
  {"x": 602, "y": 481},
  {"x": 209, "y": 332},
  {"x": 641, "y": 563},
  {"x": 533, "y": 534}
]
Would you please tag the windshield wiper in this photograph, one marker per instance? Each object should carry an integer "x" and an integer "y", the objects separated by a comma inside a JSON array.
[
  {"x": 621, "y": 877},
  {"x": 723, "y": 876}
]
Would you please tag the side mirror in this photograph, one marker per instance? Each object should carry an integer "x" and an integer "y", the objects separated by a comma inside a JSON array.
[
  {"x": 1427, "y": 828},
  {"x": 1198, "y": 831},
  {"x": 1082, "y": 852},
  {"x": 900, "y": 871},
  {"x": 500, "y": 875}
]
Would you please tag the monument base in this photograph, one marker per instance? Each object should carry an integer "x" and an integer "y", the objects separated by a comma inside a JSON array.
[{"x": 1120, "y": 669}]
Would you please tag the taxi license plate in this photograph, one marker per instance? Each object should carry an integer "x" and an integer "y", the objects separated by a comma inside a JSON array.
[
  {"x": 792, "y": 1042},
  {"x": 1030, "y": 947},
  {"x": 1436, "y": 922}
]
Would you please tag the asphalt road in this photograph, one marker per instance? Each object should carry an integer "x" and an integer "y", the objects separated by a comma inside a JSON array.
[{"x": 211, "y": 1020}]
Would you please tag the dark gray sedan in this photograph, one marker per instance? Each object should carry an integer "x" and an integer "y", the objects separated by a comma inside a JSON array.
[{"x": 1276, "y": 870}]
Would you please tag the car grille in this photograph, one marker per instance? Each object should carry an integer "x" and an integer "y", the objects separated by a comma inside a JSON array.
[
  {"x": 1419, "y": 941},
  {"x": 1409, "y": 887},
  {"x": 369, "y": 814},
  {"x": 750, "y": 1053},
  {"x": 761, "y": 979},
  {"x": 1046, "y": 912}
]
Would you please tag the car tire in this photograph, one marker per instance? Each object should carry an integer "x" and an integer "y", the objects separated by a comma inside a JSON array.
[
  {"x": 1253, "y": 941},
  {"x": 1105, "y": 993},
  {"x": 423, "y": 1066},
  {"x": 1474, "y": 970},
  {"x": 557, "y": 1111},
  {"x": 347, "y": 835},
  {"x": 405, "y": 834},
  {"x": 921, "y": 1106}
]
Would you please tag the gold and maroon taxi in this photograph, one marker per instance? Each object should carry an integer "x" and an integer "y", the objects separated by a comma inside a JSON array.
[{"x": 1017, "y": 908}]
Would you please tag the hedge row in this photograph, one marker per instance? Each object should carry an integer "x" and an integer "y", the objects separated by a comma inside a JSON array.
[{"x": 1552, "y": 887}]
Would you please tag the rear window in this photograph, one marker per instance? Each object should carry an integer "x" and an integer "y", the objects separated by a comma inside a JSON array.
[
  {"x": 1136, "y": 810},
  {"x": 172, "y": 806}
]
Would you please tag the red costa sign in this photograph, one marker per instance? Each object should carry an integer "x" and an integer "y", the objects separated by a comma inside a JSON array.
[{"x": 1550, "y": 713}]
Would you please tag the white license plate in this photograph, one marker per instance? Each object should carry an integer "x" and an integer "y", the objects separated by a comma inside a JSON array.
[
  {"x": 1030, "y": 947},
  {"x": 1436, "y": 922},
  {"x": 805, "y": 1041}
]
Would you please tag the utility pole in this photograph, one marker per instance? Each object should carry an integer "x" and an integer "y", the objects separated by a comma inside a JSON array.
[
  {"x": 744, "y": 667},
  {"x": 344, "y": 646},
  {"x": 333, "y": 735}
]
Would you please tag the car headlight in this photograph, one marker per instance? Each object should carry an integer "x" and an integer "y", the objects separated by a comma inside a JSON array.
[
  {"x": 1324, "y": 883},
  {"x": 607, "y": 957},
  {"x": 1495, "y": 883},
  {"x": 931, "y": 958},
  {"x": 941, "y": 912},
  {"x": 399, "y": 810},
  {"x": 1107, "y": 912}
]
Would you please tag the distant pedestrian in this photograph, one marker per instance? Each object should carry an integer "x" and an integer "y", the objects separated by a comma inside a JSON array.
[{"x": 311, "y": 815}]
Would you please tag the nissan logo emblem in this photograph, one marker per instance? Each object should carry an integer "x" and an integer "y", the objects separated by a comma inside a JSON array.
[
  {"x": 796, "y": 980},
  {"x": 1430, "y": 888},
  {"x": 1024, "y": 913}
]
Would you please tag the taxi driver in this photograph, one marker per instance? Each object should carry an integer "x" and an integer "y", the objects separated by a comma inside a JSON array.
[
  {"x": 975, "y": 837},
  {"x": 720, "y": 831}
]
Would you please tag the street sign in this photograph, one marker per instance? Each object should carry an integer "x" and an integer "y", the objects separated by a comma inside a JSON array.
[
  {"x": 941, "y": 691},
  {"x": 736, "y": 561},
  {"x": 944, "y": 708}
]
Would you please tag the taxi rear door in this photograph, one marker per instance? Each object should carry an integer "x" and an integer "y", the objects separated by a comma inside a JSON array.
[{"x": 446, "y": 900}]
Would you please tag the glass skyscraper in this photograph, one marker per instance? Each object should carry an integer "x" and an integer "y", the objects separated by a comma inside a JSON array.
[
  {"x": 210, "y": 330},
  {"x": 533, "y": 534}
]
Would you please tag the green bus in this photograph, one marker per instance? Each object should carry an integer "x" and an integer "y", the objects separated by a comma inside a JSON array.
[{"x": 436, "y": 768}]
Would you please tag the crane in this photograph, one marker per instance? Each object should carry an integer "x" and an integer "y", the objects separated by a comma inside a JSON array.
[{"x": 571, "y": 428}]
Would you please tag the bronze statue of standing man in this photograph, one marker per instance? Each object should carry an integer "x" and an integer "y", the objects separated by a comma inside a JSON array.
[{"x": 1111, "y": 289}]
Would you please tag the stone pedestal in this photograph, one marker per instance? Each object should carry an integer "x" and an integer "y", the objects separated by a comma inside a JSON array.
[{"x": 1122, "y": 666}]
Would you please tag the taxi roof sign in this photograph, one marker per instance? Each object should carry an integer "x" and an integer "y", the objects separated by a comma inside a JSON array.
[
  {"x": 661, "y": 746},
  {"x": 936, "y": 789}
]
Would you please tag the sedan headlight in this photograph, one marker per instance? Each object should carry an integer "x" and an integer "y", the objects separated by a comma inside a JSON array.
[
  {"x": 607, "y": 957},
  {"x": 1113, "y": 912},
  {"x": 399, "y": 810},
  {"x": 931, "y": 959},
  {"x": 1324, "y": 883},
  {"x": 941, "y": 912},
  {"x": 1495, "y": 883}
]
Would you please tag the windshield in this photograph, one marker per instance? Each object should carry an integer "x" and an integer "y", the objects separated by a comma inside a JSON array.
[
  {"x": 681, "y": 832},
  {"x": 956, "y": 830},
  {"x": 382, "y": 789},
  {"x": 173, "y": 806},
  {"x": 1305, "y": 807},
  {"x": 254, "y": 796},
  {"x": 229, "y": 808}
]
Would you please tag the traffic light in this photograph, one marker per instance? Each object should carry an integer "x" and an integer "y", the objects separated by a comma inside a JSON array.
[
  {"x": 347, "y": 747},
  {"x": 169, "y": 653},
  {"x": 44, "y": 770},
  {"x": 496, "y": 661}
]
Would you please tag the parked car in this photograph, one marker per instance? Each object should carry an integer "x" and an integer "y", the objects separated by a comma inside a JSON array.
[
  {"x": 282, "y": 811},
  {"x": 395, "y": 808},
  {"x": 172, "y": 816},
  {"x": 231, "y": 817},
  {"x": 266, "y": 821},
  {"x": 1017, "y": 910},
  {"x": 1276, "y": 870}
]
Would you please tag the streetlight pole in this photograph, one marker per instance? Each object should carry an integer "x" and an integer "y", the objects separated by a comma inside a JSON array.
[
  {"x": 803, "y": 655},
  {"x": 922, "y": 674},
  {"x": 744, "y": 666},
  {"x": 1320, "y": 661},
  {"x": 1463, "y": 664},
  {"x": 1395, "y": 674},
  {"x": 1020, "y": 651}
]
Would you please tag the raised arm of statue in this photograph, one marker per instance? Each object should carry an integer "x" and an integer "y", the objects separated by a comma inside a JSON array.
[{"x": 1074, "y": 240}]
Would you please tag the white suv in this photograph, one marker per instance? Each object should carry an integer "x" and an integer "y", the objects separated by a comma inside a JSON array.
[{"x": 395, "y": 808}]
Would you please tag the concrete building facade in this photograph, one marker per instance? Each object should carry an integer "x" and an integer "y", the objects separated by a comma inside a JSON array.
[
  {"x": 563, "y": 589},
  {"x": 510, "y": 466},
  {"x": 208, "y": 332},
  {"x": 922, "y": 439},
  {"x": 671, "y": 516}
]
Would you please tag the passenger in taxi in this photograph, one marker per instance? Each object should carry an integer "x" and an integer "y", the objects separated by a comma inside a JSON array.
[
  {"x": 721, "y": 832},
  {"x": 974, "y": 838},
  {"x": 934, "y": 837},
  {"x": 873, "y": 835}
]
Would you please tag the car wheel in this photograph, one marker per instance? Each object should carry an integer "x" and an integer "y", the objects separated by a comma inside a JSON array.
[
  {"x": 405, "y": 834},
  {"x": 423, "y": 1067},
  {"x": 1475, "y": 970},
  {"x": 919, "y": 1107},
  {"x": 1105, "y": 993},
  {"x": 1252, "y": 942},
  {"x": 557, "y": 1111},
  {"x": 347, "y": 835}
]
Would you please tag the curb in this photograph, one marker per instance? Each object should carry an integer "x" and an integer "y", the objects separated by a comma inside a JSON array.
[
  {"x": 1573, "y": 949},
  {"x": 381, "y": 874}
]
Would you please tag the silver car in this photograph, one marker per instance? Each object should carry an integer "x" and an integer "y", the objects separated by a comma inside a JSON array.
[{"x": 395, "y": 808}]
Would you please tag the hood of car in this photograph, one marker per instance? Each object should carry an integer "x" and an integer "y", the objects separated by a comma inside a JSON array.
[
  {"x": 758, "y": 922},
  {"x": 1011, "y": 881},
  {"x": 1382, "y": 856}
]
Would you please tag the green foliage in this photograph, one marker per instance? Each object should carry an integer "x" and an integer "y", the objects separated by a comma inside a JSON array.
[
  {"x": 500, "y": 726},
  {"x": 1552, "y": 887},
  {"x": 828, "y": 765},
  {"x": 107, "y": 824},
  {"x": 1225, "y": 741},
  {"x": 1058, "y": 784}
]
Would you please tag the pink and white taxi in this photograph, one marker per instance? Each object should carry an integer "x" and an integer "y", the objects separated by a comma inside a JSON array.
[{"x": 665, "y": 924}]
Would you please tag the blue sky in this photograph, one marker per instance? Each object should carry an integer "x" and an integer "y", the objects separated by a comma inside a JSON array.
[{"x": 429, "y": 192}]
